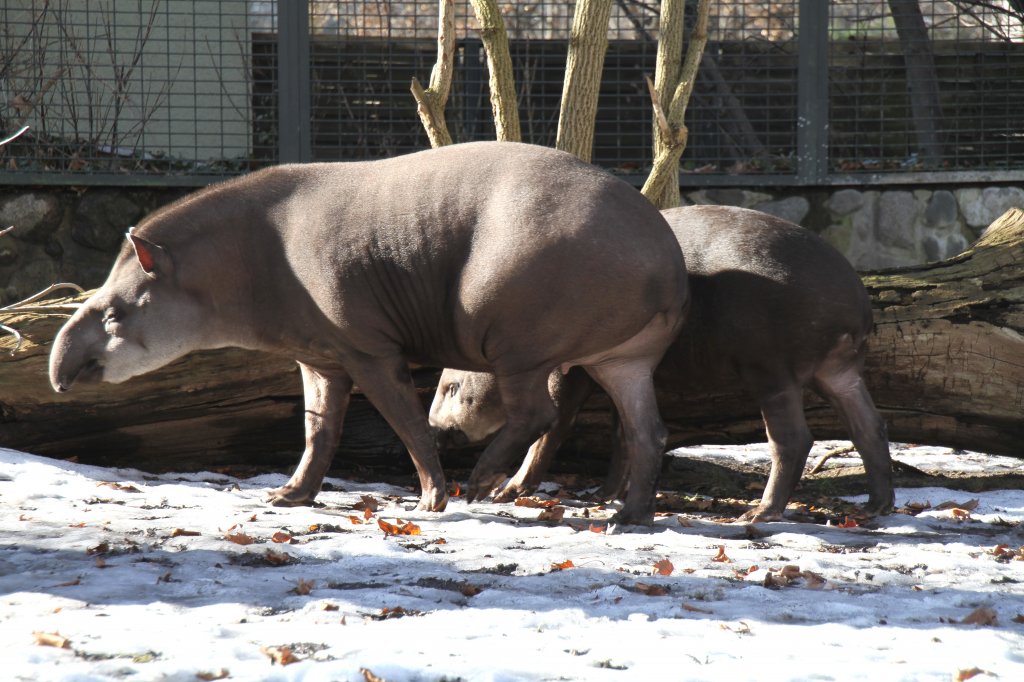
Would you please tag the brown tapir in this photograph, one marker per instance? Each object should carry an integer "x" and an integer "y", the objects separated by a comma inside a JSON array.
[
  {"x": 773, "y": 307},
  {"x": 498, "y": 257}
]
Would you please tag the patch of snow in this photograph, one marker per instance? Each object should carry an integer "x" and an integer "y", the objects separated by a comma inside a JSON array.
[{"x": 137, "y": 572}]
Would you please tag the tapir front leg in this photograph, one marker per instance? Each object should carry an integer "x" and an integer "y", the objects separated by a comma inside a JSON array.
[
  {"x": 387, "y": 383},
  {"x": 326, "y": 395}
]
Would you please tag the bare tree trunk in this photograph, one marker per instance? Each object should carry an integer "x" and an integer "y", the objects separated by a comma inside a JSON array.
[
  {"x": 588, "y": 42},
  {"x": 430, "y": 103},
  {"x": 944, "y": 367},
  {"x": 671, "y": 96},
  {"x": 922, "y": 79},
  {"x": 502, "y": 82}
]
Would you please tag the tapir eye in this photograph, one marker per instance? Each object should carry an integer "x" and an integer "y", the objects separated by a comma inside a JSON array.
[
  {"x": 111, "y": 316},
  {"x": 453, "y": 388}
]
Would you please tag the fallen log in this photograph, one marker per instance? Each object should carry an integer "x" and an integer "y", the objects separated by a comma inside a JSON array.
[{"x": 946, "y": 367}]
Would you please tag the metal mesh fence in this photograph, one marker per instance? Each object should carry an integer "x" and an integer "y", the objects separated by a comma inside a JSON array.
[{"x": 181, "y": 91}]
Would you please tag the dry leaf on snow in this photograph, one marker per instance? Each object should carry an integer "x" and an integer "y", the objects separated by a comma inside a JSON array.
[
  {"x": 695, "y": 609},
  {"x": 564, "y": 565},
  {"x": 281, "y": 655},
  {"x": 399, "y": 527},
  {"x": 180, "y": 532},
  {"x": 54, "y": 639},
  {"x": 962, "y": 675},
  {"x": 277, "y": 558},
  {"x": 304, "y": 587},
  {"x": 123, "y": 487},
  {"x": 554, "y": 514},
  {"x": 281, "y": 537},
  {"x": 982, "y": 615},
  {"x": 221, "y": 674},
  {"x": 652, "y": 590},
  {"x": 536, "y": 502},
  {"x": 721, "y": 557},
  {"x": 366, "y": 503},
  {"x": 239, "y": 538},
  {"x": 663, "y": 567}
]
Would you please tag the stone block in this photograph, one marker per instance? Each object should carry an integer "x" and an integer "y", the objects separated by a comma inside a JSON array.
[
  {"x": 793, "y": 209},
  {"x": 845, "y": 202},
  {"x": 897, "y": 218},
  {"x": 35, "y": 216}
]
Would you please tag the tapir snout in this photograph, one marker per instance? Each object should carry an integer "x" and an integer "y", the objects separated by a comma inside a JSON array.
[{"x": 73, "y": 358}]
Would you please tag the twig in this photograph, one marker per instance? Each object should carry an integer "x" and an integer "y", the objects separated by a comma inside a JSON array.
[
  {"x": 820, "y": 464},
  {"x": 41, "y": 294},
  {"x": 6, "y": 230},
  {"x": 17, "y": 336},
  {"x": 9, "y": 139}
]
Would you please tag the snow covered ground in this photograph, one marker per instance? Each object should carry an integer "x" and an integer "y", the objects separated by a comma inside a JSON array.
[{"x": 118, "y": 574}]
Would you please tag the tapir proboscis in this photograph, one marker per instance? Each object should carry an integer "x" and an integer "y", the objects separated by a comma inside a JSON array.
[
  {"x": 775, "y": 309},
  {"x": 498, "y": 257}
]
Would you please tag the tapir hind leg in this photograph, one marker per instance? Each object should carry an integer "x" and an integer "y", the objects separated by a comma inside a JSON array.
[
  {"x": 529, "y": 413},
  {"x": 790, "y": 442},
  {"x": 326, "y": 400},
  {"x": 839, "y": 380}
]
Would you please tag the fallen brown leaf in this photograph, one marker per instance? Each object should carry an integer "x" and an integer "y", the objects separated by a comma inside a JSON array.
[
  {"x": 179, "y": 532},
  {"x": 281, "y": 537},
  {"x": 101, "y": 548},
  {"x": 594, "y": 528},
  {"x": 398, "y": 528},
  {"x": 962, "y": 675},
  {"x": 368, "y": 676},
  {"x": 848, "y": 523},
  {"x": 123, "y": 487},
  {"x": 663, "y": 567},
  {"x": 982, "y": 615},
  {"x": 304, "y": 587},
  {"x": 721, "y": 557},
  {"x": 554, "y": 514},
  {"x": 54, "y": 639},
  {"x": 221, "y": 674},
  {"x": 366, "y": 503},
  {"x": 469, "y": 590},
  {"x": 276, "y": 558},
  {"x": 536, "y": 502},
  {"x": 564, "y": 565},
  {"x": 281, "y": 655},
  {"x": 238, "y": 538},
  {"x": 652, "y": 590},
  {"x": 695, "y": 609}
]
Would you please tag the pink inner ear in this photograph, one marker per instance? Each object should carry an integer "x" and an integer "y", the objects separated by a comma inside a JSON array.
[{"x": 143, "y": 253}]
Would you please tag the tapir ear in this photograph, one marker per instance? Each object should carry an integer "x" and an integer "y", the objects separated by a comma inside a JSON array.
[{"x": 153, "y": 259}]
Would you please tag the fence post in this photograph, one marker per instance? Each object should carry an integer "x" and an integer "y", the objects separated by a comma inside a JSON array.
[
  {"x": 812, "y": 92},
  {"x": 294, "y": 107}
]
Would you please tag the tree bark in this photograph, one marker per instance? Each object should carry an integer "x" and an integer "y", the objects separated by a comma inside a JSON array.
[
  {"x": 944, "y": 367},
  {"x": 430, "y": 103},
  {"x": 588, "y": 42},
  {"x": 670, "y": 95},
  {"x": 504, "y": 102}
]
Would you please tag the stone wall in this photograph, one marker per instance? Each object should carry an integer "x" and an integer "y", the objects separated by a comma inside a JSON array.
[
  {"x": 73, "y": 234},
  {"x": 882, "y": 228}
]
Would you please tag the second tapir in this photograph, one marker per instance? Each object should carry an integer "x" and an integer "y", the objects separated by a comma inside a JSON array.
[
  {"x": 496, "y": 257},
  {"x": 774, "y": 309}
]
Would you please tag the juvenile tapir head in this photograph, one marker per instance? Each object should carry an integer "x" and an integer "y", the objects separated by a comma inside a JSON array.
[
  {"x": 139, "y": 320},
  {"x": 468, "y": 403}
]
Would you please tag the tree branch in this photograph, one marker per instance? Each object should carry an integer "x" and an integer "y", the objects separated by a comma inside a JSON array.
[
  {"x": 430, "y": 103},
  {"x": 504, "y": 101}
]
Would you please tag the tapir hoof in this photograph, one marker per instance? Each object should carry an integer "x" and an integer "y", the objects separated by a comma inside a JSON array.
[
  {"x": 876, "y": 508},
  {"x": 288, "y": 496},
  {"x": 760, "y": 515},
  {"x": 480, "y": 486},
  {"x": 628, "y": 517},
  {"x": 512, "y": 491},
  {"x": 433, "y": 501}
]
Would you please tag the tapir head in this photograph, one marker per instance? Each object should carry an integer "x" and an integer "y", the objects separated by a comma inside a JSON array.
[
  {"x": 468, "y": 403},
  {"x": 139, "y": 320}
]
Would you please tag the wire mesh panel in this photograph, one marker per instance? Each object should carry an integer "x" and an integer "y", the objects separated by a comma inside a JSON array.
[
  {"x": 174, "y": 88},
  {"x": 926, "y": 84},
  {"x": 144, "y": 86},
  {"x": 365, "y": 54}
]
